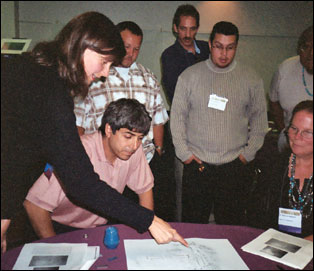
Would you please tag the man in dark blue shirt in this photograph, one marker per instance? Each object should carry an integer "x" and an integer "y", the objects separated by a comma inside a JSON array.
[{"x": 186, "y": 51}]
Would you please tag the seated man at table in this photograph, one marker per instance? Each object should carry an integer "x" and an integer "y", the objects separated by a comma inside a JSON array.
[{"x": 117, "y": 156}]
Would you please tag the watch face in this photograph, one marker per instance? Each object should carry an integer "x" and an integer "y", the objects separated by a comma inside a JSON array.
[{"x": 160, "y": 148}]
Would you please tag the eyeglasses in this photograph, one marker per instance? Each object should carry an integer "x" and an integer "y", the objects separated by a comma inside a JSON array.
[
  {"x": 221, "y": 48},
  {"x": 305, "y": 134}
]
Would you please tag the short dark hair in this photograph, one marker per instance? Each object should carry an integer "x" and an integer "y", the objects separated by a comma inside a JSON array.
[
  {"x": 186, "y": 10},
  {"x": 306, "y": 106},
  {"x": 126, "y": 113},
  {"x": 131, "y": 26},
  {"x": 305, "y": 37},
  {"x": 225, "y": 28}
]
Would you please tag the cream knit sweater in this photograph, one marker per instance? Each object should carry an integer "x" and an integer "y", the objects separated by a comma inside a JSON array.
[{"x": 215, "y": 136}]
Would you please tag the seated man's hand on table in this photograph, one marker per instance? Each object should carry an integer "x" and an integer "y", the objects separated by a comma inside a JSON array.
[
  {"x": 163, "y": 233},
  {"x": 5, "y": 223},
  {"x": 310, "y": 238}
]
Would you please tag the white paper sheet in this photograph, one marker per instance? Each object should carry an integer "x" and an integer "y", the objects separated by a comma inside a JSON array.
[
  {"x": 202, "y": 254},
  {"x": 91, "y": 256},
  {"x": 281, "y": 247},
  {"x": 61, "y": 256}
]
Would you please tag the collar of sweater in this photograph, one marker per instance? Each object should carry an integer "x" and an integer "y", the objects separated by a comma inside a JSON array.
[{"x": 216, "y": 69}]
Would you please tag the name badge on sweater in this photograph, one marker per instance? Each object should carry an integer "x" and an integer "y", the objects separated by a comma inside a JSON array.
[
  {"x": 290, "y": 220},
  {"x": 217, "y": 102}
]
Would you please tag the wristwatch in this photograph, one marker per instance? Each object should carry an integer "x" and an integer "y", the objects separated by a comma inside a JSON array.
[{"x": 160, "y": 148}]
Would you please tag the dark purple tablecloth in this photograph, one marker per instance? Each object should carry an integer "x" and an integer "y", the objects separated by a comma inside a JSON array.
[{"x": 237, "y": 235}]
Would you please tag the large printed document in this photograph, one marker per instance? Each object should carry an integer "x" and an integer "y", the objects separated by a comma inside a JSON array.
[
  {"x": 202, "y": 254},
  {"x": 281, "y": 247},
  {"x": 61, "y": 256}
]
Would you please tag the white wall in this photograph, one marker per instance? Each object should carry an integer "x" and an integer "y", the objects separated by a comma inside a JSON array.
[
  {"x": 7, "y": 19},
  {"x": 268, "y": 29}
]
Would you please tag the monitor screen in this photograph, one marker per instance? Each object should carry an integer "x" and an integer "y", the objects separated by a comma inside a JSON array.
[{"x": 14, "y": 46}]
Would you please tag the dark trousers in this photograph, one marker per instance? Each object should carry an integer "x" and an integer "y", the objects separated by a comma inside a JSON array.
[
  {"x": 164, "y": 185},
  {"x": 223, "y": 187}
]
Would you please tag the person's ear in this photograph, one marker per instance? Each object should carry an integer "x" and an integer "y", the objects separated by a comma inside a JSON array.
[
  {"x": 108, "y": 130},
  {"x": 175, "y": 28}
]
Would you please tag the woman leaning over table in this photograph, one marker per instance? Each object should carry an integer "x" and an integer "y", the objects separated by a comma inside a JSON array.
[
  {"x": 288, "y": 181},
  {"x": 38, "y": 123}
]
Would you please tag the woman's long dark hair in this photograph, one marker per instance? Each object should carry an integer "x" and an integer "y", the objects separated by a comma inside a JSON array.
[{"x": 90, "y": 30}]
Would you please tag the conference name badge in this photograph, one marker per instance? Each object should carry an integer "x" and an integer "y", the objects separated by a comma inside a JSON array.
[
  {"x": 290, "y": 220},
  {"x": 217, "y": 102}
]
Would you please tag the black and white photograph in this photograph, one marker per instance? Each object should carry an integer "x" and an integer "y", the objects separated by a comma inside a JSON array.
[
  {"x": 49, "y": 260},
  {"x": 274, "y": 251},
  {"x": 283, "y": 245}
]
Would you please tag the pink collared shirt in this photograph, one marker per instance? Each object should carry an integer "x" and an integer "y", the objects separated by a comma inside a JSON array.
[{"x": 134, "y": 173}]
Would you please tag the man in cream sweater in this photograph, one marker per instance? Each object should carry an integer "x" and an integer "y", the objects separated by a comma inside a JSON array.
[{"x": 218, "y": 123}]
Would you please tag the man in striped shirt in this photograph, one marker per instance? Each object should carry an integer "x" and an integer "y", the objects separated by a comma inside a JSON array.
[
  {"x": 218, "y": 123},
  {"x": 129, "y": 80}
]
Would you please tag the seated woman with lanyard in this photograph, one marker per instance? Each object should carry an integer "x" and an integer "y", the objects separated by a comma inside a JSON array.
[{"x": 287, "y": 201}]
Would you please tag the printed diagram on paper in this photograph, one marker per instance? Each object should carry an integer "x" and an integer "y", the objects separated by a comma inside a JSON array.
[
  {"x": 196, "y": 256},
  {"x": 202, "y": 254}
]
